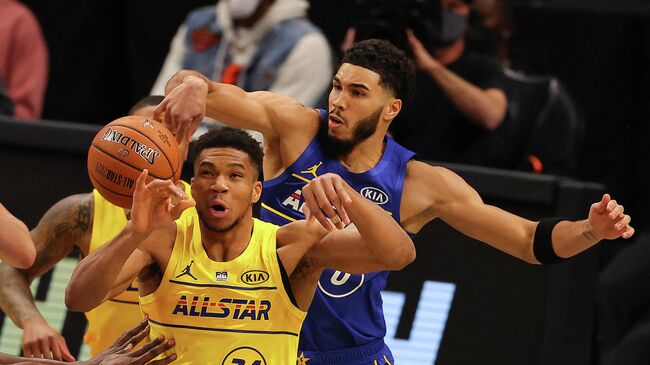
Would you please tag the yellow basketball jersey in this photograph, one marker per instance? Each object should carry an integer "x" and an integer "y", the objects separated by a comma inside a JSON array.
[
  {"x": 235, "y": 312},
  {"x": 107, "y": 322}
]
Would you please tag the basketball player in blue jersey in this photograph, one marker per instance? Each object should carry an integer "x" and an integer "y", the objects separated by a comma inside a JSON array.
[{"x": 345, "y": 323}]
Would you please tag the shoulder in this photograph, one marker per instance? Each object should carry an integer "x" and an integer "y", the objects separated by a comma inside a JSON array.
[
  {"x": 291, "y": 118},
  {"x": 426, "y": 189},
  {"x": 433, "y": 181},
  {"x": 71, "y": 206},
  {"x": 418, "y": 172},
  {"x": 19, "y": 12}
]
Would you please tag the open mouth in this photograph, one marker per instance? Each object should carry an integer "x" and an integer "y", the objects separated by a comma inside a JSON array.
[
  {"x": 218, "y": 210},
  {"x": 335, "y": 121}
]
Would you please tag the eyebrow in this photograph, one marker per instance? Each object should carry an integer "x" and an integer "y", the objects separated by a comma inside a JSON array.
[
  {"x": 237, "y": 164},
  {"x": 232, "y": 164},
  {"x": 354, "y": 84}
]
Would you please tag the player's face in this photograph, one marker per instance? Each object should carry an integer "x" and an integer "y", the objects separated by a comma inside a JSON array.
[
  {"x": 356, "y": 103},
  {"x": 224, "y": 187}
]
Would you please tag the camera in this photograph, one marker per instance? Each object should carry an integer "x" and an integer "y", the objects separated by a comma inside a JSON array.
[{"x": 389, "y": 19}]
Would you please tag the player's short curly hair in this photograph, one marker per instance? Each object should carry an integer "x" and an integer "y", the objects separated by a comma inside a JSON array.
[
  {"x": 232, "y": 138},
  {"x": 396, "y": 71}
]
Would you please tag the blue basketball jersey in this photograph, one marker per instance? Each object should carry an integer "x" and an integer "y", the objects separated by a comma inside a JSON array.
[{"x": 347, "y": 309}]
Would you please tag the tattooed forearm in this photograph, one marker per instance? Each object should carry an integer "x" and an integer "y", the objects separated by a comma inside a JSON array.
[
  {"x": 15, "y": 297},
  {"x": 63, "y": 226}
]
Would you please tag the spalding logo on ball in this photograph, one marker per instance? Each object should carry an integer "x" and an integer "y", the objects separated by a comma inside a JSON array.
[{"x": 123, "y": 149}]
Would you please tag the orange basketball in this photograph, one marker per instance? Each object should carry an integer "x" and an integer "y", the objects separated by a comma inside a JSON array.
[{"x": 123, "y": 149}]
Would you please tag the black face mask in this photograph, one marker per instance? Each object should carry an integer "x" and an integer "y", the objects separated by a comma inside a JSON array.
[{"x": 453, "y": 26}]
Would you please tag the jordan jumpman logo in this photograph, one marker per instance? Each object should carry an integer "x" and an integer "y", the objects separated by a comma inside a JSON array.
[
  {"x": 187, "y": 271},
  {"x": 312, "y": 170}
]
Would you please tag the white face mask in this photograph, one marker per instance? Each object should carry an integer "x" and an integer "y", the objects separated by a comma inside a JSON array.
[{"x": 241, "y": 9}]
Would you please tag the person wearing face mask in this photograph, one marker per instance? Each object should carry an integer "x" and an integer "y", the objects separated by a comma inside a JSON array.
[
  {"x": 256, "y": 45},
  {"x": 460, "y": 100}
]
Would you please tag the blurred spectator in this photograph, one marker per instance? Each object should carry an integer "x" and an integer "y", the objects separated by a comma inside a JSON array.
[
  {"x": 490, "y": 29},
  {"x": 6, "y": 106},
  {"x": 23, "y": 59},
  {"x": 460, "y": 99},
  {"x": 255, "y": 44}
]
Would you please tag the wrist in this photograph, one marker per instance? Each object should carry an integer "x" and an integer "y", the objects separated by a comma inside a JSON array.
[
  {"x": 588, "y": 232},
  {"x": 196, "y": 82},
  {"x": 32, "y": 320},
  {"x": 134, "y": 233},
  {"x": 433, "y": 69}
]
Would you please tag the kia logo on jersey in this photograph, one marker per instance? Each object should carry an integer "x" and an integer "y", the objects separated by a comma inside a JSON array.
[
  {"x": 374, "y": 194},
  {"x": 253, "y": 277}
]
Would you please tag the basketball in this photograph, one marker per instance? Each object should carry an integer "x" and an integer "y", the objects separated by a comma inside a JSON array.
[{"x": 123, "y": 149}]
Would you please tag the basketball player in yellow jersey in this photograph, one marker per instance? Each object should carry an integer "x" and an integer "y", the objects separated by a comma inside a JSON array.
[
  {"x": 233, "y": 289},
  {"x": 85, "y": 221}
]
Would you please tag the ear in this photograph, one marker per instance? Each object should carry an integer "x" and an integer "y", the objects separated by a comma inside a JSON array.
[
  {"x": 392, "y": 109},
  {"x": 192, "y": 186},
  {"x": 257, "y": 191}
]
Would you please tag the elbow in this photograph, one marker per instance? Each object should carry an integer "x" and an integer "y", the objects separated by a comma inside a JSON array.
[
  {"x": 25, "y": 255},
  {"x": 74, "y": 299},
  {"x": 26, "y": 260},
  {"x": 491, "y": 118},
  {"x": 528, "y": 253},
  {"x": 492, "y": 121},
  {"x": 404, "y": 259}
]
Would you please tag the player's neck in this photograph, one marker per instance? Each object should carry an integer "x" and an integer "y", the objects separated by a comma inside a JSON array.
[
  {"x": 365, "y": 155},
  {"x": 228, "y": 245}
]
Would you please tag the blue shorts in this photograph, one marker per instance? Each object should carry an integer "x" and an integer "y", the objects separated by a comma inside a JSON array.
[{"x": 374, "y": 353}]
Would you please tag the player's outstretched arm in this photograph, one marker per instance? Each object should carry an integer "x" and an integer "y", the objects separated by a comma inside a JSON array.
[
  {"x": 441, "y": 193},
  {"x": 108, "y": 270},
  {"x": 65, "y": 225},
  {"x": 190, "y": 96},
  {"x": 16, "y": 246},
  {"x": 374, "y": 241}
]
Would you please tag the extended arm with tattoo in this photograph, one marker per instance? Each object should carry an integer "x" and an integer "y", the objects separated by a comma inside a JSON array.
[{"x": 65, "y": 225}]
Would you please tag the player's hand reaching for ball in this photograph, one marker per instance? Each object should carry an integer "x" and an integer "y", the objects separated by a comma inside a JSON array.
[
  {"x": 607, "y": 220},
  {"x": 184, "y": 105},
  {"x": 156, "y": 204}
]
